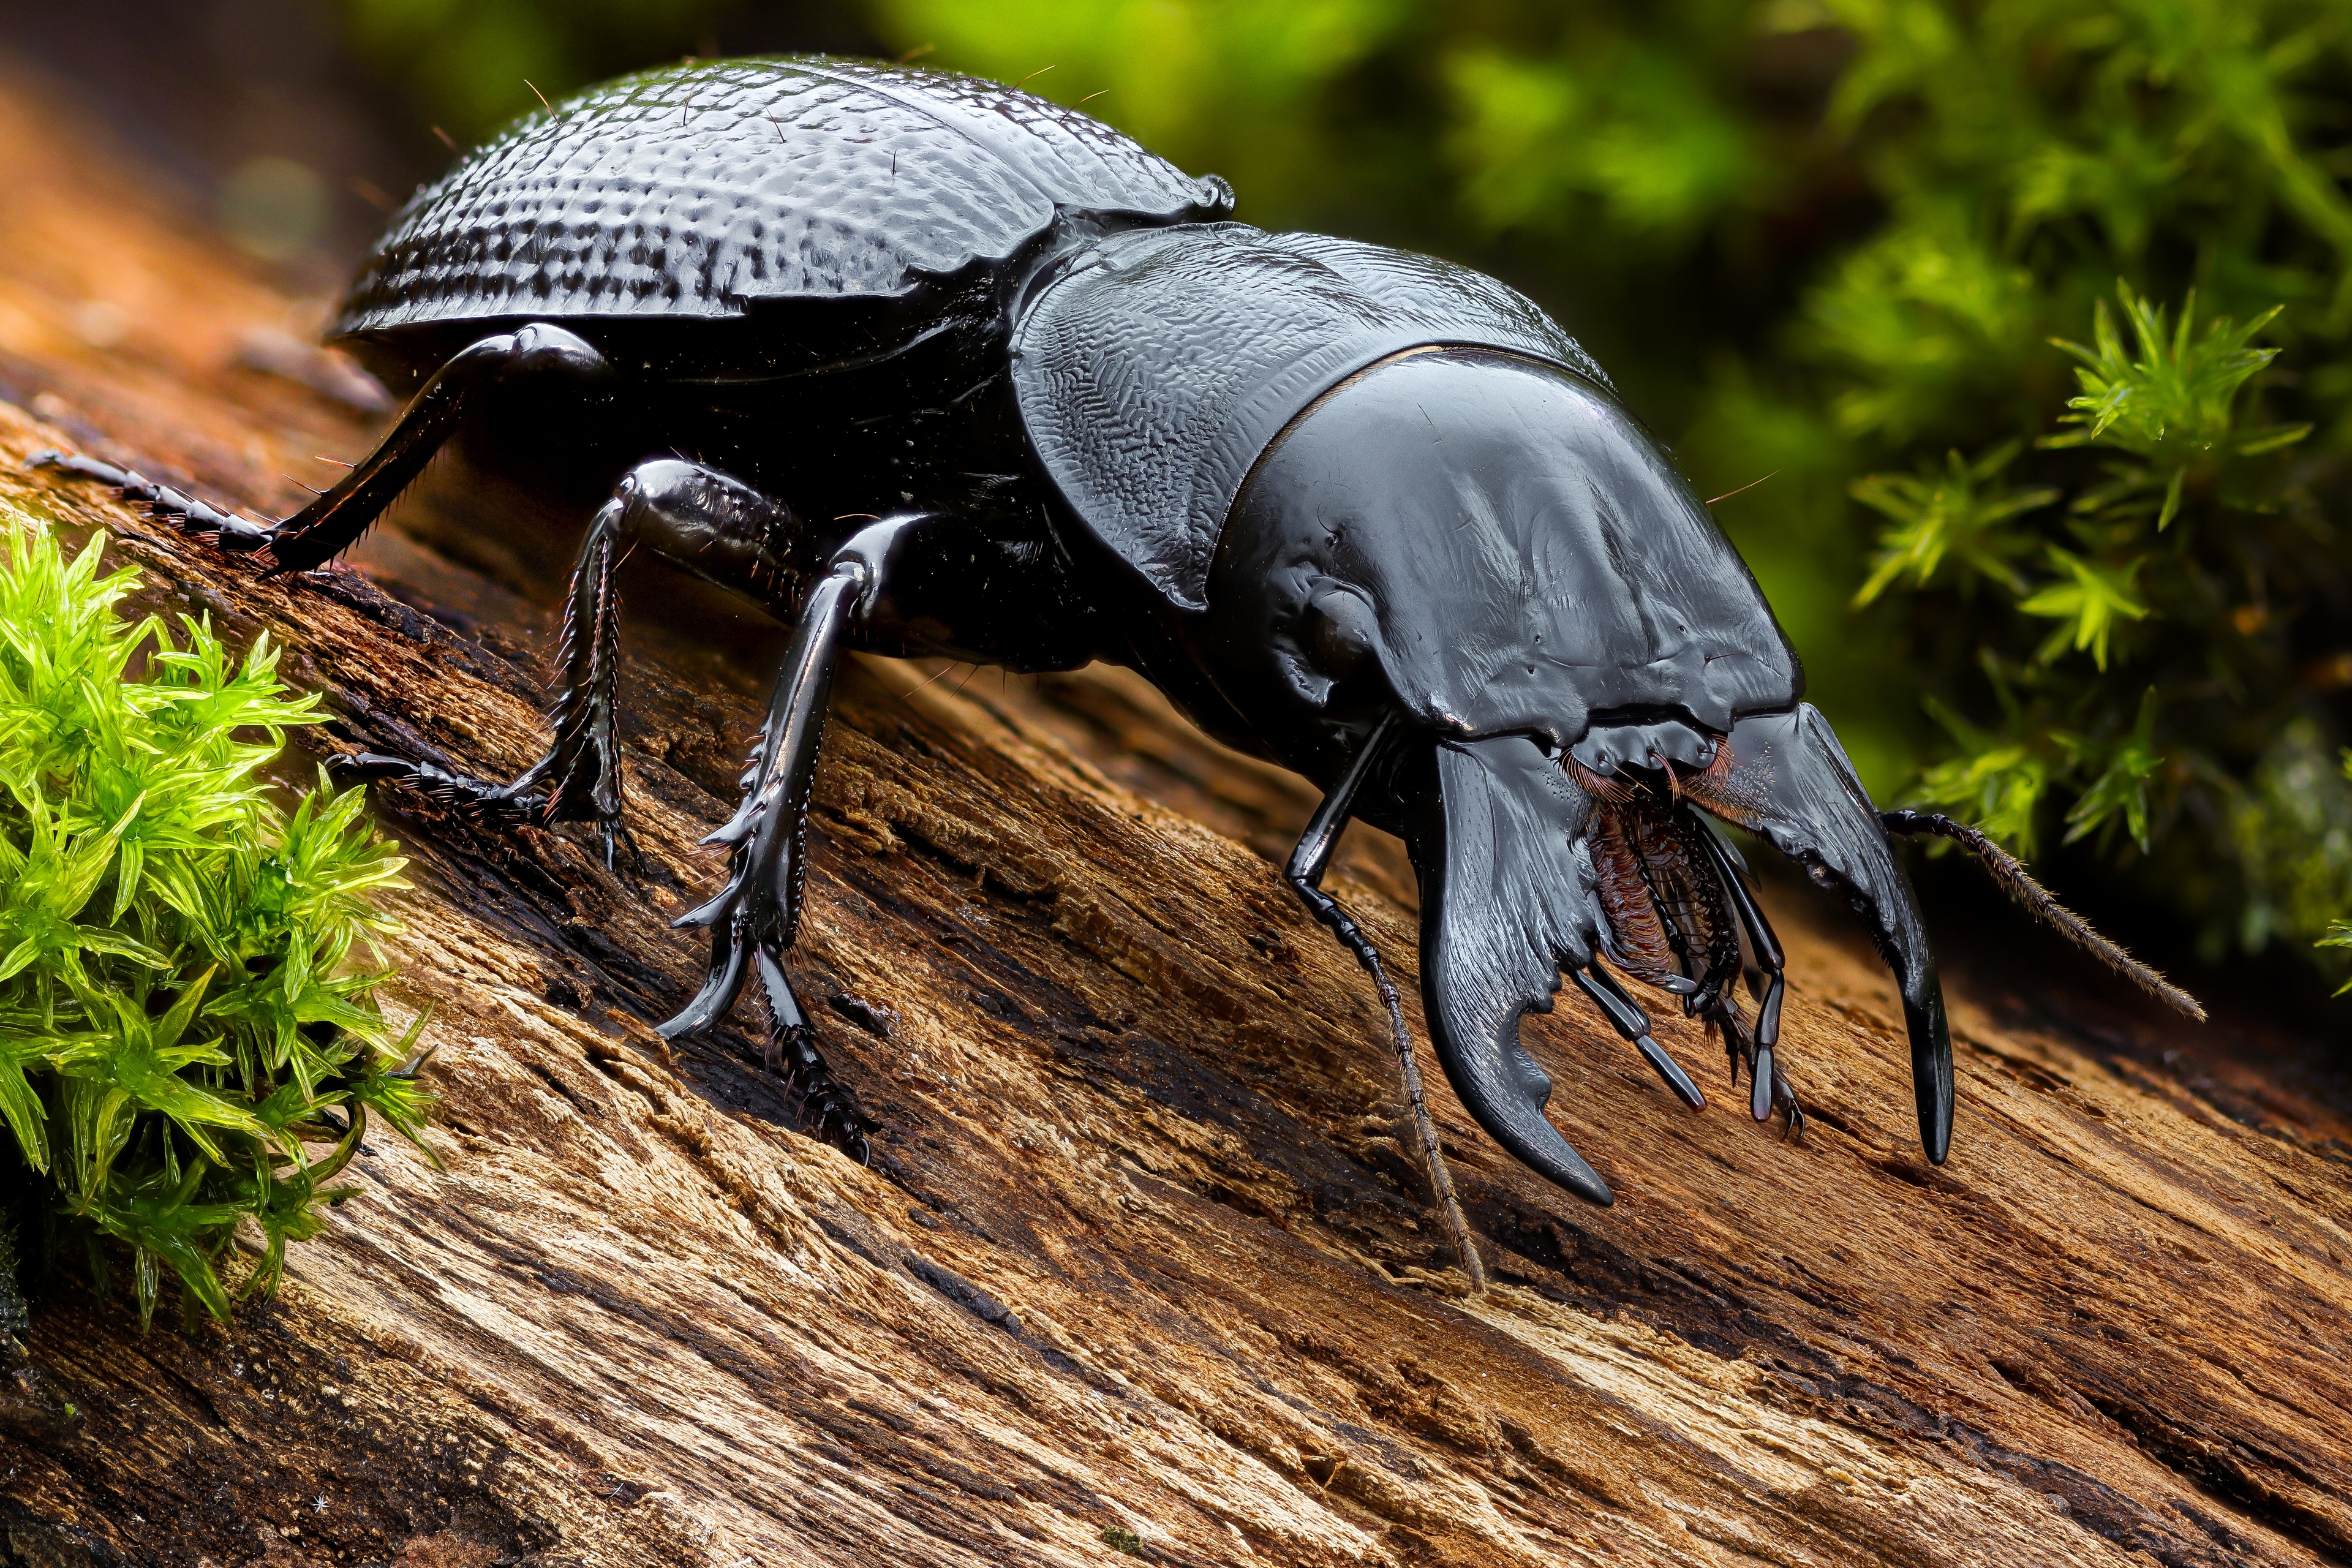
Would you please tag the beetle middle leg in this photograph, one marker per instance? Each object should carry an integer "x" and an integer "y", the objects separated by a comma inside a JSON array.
[
  {"x": 725, "y": 531},
  {"x": 704, "y": 521}
]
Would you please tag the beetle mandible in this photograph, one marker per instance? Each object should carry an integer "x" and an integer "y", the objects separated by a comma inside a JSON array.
[{"x": 973, "y": 375}]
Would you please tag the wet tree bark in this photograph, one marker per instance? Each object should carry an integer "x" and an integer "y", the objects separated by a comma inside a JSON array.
[{"x": 1140, "y": 1266}]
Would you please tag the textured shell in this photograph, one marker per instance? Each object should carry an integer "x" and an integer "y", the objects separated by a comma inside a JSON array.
[
  {"x": 701, "y": 190},
  {"x": 1520, "y": 556},
  {"x": 1153, "y": 371}
]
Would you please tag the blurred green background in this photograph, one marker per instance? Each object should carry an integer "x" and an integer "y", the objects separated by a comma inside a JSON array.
[{"x": 2093, "y": 598}]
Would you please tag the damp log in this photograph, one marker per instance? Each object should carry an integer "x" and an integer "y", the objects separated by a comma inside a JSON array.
[{"x": 1140, "y": 1266}]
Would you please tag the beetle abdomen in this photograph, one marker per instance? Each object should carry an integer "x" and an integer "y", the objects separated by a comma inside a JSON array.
[{"x": 702, "y": 190}]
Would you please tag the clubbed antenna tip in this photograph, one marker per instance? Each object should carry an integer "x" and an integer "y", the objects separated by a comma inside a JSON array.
[{"x": 2009, "y": 871}]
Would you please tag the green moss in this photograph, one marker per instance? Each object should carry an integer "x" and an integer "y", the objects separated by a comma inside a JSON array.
[
  {"x": 2132, "y": 654},
  {"x": 188, "y": 1043}
]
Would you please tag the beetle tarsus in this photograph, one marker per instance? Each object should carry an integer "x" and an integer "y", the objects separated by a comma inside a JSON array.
[
  {"x": 500, "y": 805},
  {"x": 820, "y": 1106},
  {"x": 235, "y": 534}
]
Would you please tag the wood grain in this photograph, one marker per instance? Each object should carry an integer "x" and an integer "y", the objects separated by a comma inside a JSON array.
[{"x": 1139, "y": 1251}]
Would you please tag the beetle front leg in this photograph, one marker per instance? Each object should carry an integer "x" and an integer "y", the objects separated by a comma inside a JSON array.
[
  {"x": 1305, "y": 875},
  {"x": 1626, "y": 1016},
  {"x": 753, "y": 919},
  {"x": 1784, "y": 777}
]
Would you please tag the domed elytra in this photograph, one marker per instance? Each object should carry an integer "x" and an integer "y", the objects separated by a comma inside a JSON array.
[{"x": 916, "y": 173}]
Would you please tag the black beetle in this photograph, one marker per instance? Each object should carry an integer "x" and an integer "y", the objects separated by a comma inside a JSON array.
[{"x": 971, "y": 374}]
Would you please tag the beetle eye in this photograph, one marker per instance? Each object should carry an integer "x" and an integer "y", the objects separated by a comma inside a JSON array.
[{"x": 1343, "y": 632}]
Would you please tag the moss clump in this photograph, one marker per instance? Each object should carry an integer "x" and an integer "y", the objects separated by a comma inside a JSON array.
[{"x": 186, "y": 1044}]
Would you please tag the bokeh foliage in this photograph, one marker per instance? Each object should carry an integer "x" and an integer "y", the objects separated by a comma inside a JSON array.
[
  {"x": 188, "y": 1042},
  {"x": 1843, "y": 243},
  {"x": 472, "y": 64}
]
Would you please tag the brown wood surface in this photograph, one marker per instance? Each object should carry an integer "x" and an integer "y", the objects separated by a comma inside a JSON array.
[{"x": 1139, "y": 1251}]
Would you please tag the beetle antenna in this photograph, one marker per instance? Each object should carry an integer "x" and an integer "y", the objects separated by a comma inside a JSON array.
[{"x": 2015, "y": 880}]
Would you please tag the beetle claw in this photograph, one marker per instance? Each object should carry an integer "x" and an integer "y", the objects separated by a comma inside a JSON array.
[
  {"x": 616, "y": 837},
  {"x": 1789, "y": 781},
  {"x": 720, "y": 985},
  {"x": 1793, "y": 1132},
  {"x": 1502, "y": 911}
]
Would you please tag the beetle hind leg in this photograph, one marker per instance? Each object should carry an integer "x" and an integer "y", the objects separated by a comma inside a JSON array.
[{"x": 334, "y": 521}]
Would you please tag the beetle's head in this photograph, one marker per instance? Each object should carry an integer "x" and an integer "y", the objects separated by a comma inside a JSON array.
[
  {"x": 1496, "y": 544},
  {"x": 1494, "y": 547}
]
